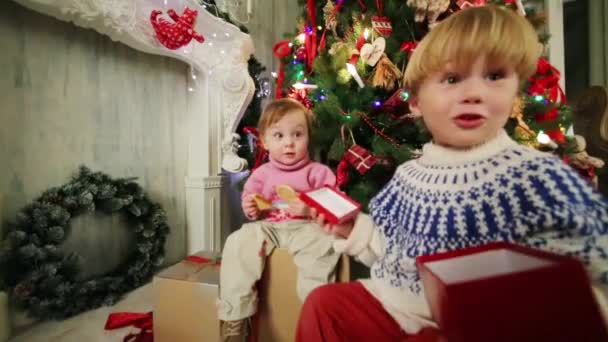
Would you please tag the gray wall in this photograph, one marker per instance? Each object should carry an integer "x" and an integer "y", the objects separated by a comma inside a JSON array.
[
  {"x": 70, "y": 96},
  {"x": 271, "y": 20}
]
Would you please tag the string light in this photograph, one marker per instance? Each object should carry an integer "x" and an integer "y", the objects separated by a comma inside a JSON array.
[
  {"x": 300, "y": 86},
  {"x": 538, "y": 98},
  {"x": 301, "y": 38},
  {"x": 543, "y": 138}
]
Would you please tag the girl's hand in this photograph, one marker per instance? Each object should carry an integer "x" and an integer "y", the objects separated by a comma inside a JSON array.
[
  {"x": 250, "y": 207},
  {"x": 342, "y": 229},
  {"x": 298, "y": 208}
]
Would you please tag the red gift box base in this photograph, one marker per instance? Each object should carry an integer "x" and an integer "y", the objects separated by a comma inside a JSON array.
[{"x": 551, "y": 301}]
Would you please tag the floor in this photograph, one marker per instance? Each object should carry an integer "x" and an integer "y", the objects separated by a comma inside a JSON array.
[{"x": 89, "y": 326}]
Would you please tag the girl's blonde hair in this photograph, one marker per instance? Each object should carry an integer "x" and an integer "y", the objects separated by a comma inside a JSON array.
[
  {"x": 277, "y": 109},
  {"x": 502, "y": 35}
]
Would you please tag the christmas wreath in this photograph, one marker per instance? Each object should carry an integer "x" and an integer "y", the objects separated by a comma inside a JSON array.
[{"x": 43, "y": 280}]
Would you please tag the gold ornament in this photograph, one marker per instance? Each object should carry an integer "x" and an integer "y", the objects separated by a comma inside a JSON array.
[
  {"x": 429, "y": 9},
  {"x": 330, "y": 18},
  {"x": 386, "y": 74},
  {"x": 518, "y": 114},
  {"x": 343, "y": 76}
]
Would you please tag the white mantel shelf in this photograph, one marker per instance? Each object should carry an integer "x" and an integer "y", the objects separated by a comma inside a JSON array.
[{"x": 224, "y": 90}]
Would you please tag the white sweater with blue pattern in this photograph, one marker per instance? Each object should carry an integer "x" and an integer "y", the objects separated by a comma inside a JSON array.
[{"x": 450, "y": 199}]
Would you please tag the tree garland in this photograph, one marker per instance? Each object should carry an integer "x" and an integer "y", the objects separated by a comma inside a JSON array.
[{"x": 43, "y": 281}]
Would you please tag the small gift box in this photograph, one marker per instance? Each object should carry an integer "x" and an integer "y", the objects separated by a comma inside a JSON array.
[
  {"x": 335, "y": 205},
  {"x": 360, "y": 158},
  {"x": 506, "y": 292}
]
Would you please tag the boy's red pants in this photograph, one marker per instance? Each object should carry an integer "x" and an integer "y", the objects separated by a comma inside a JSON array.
[{"x": 347, "y": 312}]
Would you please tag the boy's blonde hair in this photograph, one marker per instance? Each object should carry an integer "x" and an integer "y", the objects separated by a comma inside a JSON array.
[
  {"x": 277, "y": 109},
  {"x": 502, "y": 35}
]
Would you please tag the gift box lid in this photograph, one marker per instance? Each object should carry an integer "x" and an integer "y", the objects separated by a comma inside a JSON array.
[
  {"x": 506, "y": 292},
  {"x": 335, "y": 205},
  {"x": 202, "y": 267}
]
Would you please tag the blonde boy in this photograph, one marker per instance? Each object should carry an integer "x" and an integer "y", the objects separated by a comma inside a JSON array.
[{"x": 472, "y": 184}]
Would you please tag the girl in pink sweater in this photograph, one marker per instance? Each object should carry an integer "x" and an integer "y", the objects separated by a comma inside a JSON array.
[{"x": 284, "y": 129}]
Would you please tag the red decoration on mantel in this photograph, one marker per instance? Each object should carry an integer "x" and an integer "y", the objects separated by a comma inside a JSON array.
[{"x": 178, "y": 34}]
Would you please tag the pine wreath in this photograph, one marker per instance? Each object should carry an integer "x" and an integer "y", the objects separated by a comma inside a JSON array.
[{"x": 43, "y": 281}]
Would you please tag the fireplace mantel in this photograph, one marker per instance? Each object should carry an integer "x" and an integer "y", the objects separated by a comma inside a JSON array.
[{"x": 223, "y": 91}]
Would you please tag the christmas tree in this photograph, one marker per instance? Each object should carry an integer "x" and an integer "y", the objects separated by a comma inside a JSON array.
[{"x": 346, "y": 62}]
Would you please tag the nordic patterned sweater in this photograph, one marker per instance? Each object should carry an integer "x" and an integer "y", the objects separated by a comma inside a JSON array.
[{"x": 449, "y": 199}]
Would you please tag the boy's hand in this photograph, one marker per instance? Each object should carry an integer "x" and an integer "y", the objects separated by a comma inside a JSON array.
[
  {"x": 342, "y": 229},
  {"x": 250, "y": 208}
]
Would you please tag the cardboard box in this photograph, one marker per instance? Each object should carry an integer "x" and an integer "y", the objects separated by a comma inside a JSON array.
[
  {"x": 184, "y": 301},
  {"x": 279, "y": 305},
  {"x": 504, "y": 292}
]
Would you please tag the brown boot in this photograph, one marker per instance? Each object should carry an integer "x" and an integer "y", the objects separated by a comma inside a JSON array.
[{"x": 235, "y": 331}]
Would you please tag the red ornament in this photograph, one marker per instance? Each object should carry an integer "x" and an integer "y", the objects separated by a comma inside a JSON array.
[
  {"x": 360, "y": 158},
  {"x": 301, "y": 54},
  {"x": 409, "y": 47},
  {"x": 463, "y": 4},
  {"x": 342, "y": 172},
  {"x": 178, "y": 34},
  {"x": 382, "y": 25},
  {"x": 397, "y": 103},
  {"x": 550, "y": 115}
]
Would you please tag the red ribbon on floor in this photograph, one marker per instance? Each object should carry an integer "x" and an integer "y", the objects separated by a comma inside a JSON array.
[
  {"x": 142, "y": 321},
  {"x": 217, "y": 261}
]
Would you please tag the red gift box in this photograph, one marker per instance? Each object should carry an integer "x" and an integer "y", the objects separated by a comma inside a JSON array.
[
  {"x": 332, "y": 203},
  {"x": 506, "y": 292},
  {"x": 360, "y": 158}
]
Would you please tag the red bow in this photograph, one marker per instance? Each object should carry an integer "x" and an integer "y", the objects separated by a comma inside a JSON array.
[
  {"x": 311, "y": 37},
  {"x": 281, "y": 50},
  {"x": 300, "y": 96},
  {"x": 550, "y": 115},
  {"x": 546, "y": 80},
  {"x": 139, "y": 320},
  {"x": 178, "y": 34},
  {"x": 261, "y": 151}
]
